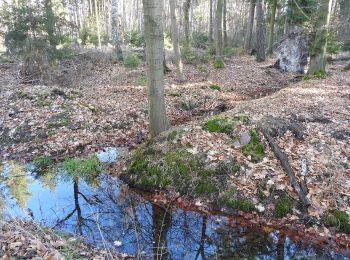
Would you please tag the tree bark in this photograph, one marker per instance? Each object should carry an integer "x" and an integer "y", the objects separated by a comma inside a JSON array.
[
  {"x": 186, "y": 10},
  {"x": 211, "y": 38},
  {"x": 319, "y": 44},
  {"x": 225, "y": 24},
  {"x": 154, "y": 38},
  {"x": 115, "y": 36},
  {"x": 248, "y": 38},
  {"x": 219, "y": 11},
  {"x": 98, "y": 25},
  {"x": 272, "y": 26},
  {"x": 260, "y": 31},
  {"x": 176, "y": 42}
]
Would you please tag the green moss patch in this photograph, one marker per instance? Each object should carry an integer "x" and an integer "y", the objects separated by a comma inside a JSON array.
[
  {"x": 338, "y": 219},
  {"x": 219, "y": 64},
  {"x": 219, "y": 125},
  {"x": 164, "y": 164},
  {"x": 42, "y": 163},
  {"x": 254, "y": 149},
  {"x": 283, "y": 206},
  {"x": 231, "y": 200},
  {"x": 81, "y": 167},
  {"x": 215, "y": 87}
]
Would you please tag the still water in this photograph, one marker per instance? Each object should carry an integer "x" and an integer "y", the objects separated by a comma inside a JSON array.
[{"x": 109, "y": 215}]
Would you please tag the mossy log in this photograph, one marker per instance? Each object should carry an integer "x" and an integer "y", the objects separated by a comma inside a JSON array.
[{"x": 285, "y": 165}]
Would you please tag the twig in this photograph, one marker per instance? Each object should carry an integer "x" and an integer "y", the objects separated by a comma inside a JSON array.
[{"x": 286, "y": 166}]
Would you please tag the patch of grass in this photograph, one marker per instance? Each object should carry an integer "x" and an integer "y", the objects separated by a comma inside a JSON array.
[
  {"x": 306, "y": 77},
  {"x": 227, "y": 51},
  {"x": 175, "y": 94},
  {"x": 219, "y": 64},
  {"x": 215, "y": 87},
  {"x": 42, "y": 163},
  {"x": 230, "y": 200},
  {"x": 283, "y": 206},
  {"x": 254, "y": 148},
  {"x": 203, "y": 69},
  {"x": 321, "y": 74},
  {"x": 212, "y": 50},
  {"x": 219, "y": 125},
  {"x": 42, "y": 101},
  {"x": 172, "y": 136},
  {"x": 205, "y": 186},
  {"x": 81, "y": 167},
  {"x": 339, "y": 219},
  {"x": 141, "y": 80},
  {"x": 23, "y": 94},
  {"x": 132, "y": 61}
]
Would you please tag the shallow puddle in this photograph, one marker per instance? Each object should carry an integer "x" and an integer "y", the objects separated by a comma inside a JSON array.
[{"x": 108, "y": 215}]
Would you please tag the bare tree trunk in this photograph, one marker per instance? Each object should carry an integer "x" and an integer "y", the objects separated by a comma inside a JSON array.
[
  {"x": 318, "y": 47},
  {"x": 176, "y": 42},
  {"x": 115, "y": 36},
  {"x": 225, "y": 23},
  {"x": 186, "y": 10},
  {"x": 272, "y": 26},
  {"x": 211, "y": 38},
  {"x": 98, "y": 25},
  {"x": 154, "y": 38},
  {"x": 219, "y": 11},
  {"x": 248, "y": 38},
  {"x": 260, "y": 31}
]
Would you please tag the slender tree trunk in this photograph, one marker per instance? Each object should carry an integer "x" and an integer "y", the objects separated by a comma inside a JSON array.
[
  {"x": 211, "y": 38},
  {"x": 219, "y": 11},
  {"x": 260, "y": 31},
  {"x": 248, "y": 38},
  {"x": 272, "y": 26},
  {"x": 115, "y": 36},
  {"x": 98, "y": 25},
  {"x": 225, "y": 23},
  {"x": 186, "y": 10},
  {"x": 154, "y": 38},
  {"x": 319, "y": 44},
  {"x": 176, "y": 42},
  {"x": 345, "y": 20}
]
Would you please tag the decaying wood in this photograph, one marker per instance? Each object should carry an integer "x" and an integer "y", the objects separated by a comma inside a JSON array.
[{"x": 282, "y": 157}]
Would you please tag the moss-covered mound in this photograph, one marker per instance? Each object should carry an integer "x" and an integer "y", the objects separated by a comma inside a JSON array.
[{"x": 167, "y": 164}]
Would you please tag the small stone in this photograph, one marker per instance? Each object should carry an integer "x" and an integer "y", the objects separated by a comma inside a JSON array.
[{"x": 245, "y": 138}]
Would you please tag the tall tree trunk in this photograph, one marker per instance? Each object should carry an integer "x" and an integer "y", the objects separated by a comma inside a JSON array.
[
  {"x": 248, "y": 38},
  {"x": 345, "y": 20},
  {"x": 154, "y": 38},
  {"x": 260, "y": 31},
  {"x": 186, "y": 10},
  {"x": 176, "y": 42},
  {"x": 211, "y": 38},
  {"x": 115, "y": 36},
  {"x": 319, "y": 44},
  {"x": 219, "y": 11},
  {"x": 272, "y": 26},
  {"x": 98, "y": 25},
  {"x": 225, "y": 23}
]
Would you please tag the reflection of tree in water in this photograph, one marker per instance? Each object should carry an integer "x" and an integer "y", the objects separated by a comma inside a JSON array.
[
  {"x": 238, "y": 242},
  {"x": 161, "y": 225},
  {"x": 17, "y": 182}
]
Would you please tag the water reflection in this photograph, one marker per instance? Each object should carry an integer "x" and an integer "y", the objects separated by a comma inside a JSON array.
[{"x": 110, "y": 216}]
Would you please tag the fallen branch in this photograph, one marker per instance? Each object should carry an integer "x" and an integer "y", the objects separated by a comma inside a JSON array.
[{"x": 286, "y": 166}]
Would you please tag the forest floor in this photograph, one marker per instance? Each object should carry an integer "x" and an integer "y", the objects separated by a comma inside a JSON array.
[{"x": 102, "y": 105}]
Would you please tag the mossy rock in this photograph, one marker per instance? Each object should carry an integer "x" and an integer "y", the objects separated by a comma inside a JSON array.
[
  {"x": 338, "y": 219},
  {"x": 283, "y": 206},
  {"x": 254, "y": 149},
  {"x": 219, "y": 125}
]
